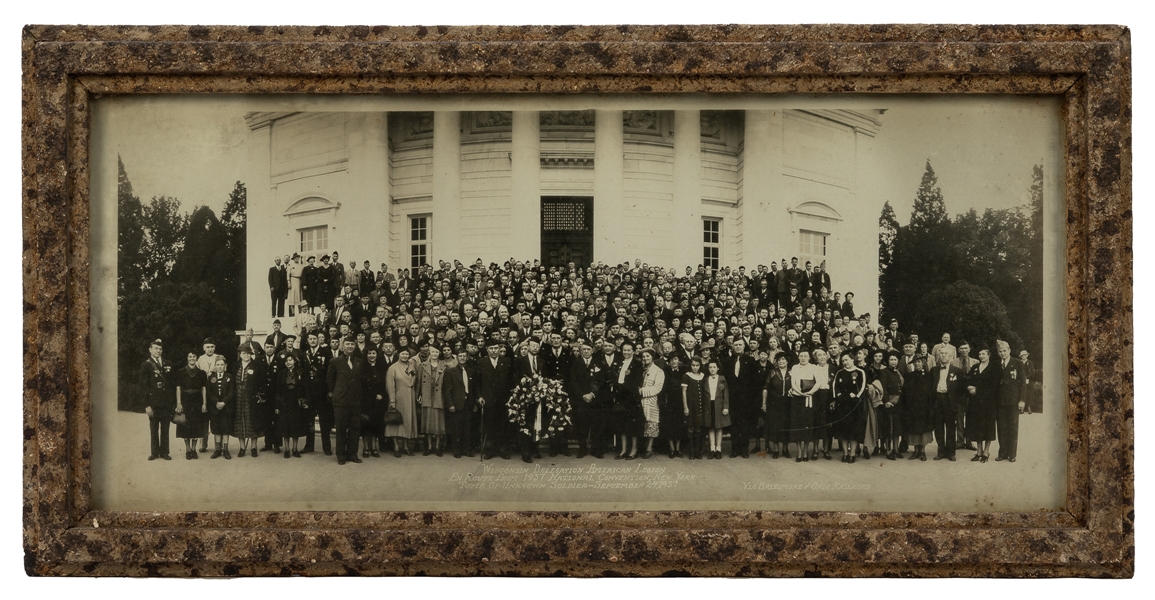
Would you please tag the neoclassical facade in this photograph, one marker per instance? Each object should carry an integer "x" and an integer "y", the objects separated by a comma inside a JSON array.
[{"x": 669, "y": 187}]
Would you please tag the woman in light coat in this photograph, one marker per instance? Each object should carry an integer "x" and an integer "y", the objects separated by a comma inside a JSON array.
[
  {"x": 429, "y": 378},
  {"x": 401, "y": 381},
  {"x": 653, "y": 380}
]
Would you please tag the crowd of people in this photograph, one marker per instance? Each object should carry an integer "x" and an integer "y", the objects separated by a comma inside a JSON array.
[{"x": 650, "y": 360}]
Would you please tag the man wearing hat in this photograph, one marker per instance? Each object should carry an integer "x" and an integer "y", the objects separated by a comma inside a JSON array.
[
  {"x": 496, "y": 374},
  {"x": 346, "y": 378},
  {"x": 159, "y": 400},
  {"x": 277, "y": 337}
]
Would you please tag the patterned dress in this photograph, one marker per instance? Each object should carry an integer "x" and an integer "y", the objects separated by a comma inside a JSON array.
[{"x": 244, "y": 422}]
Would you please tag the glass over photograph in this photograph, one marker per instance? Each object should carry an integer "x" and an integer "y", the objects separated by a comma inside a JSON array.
[{"x": 850, "y": 303}]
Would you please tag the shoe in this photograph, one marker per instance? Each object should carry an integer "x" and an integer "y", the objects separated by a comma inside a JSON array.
[
  {"x": 851, "y": 459},
  {"x": 891, "y": 455},
  {"x": 922, "y": 456},
  {"x": 526, "y": 459},
  {"x": 427, "y": 452},
  {"x": 774, "y": 455},
  {"x": 1010, "y": 460},
  {"x": 288, "y": 454},
  {"x": 456, "y": 455},
  {"x": 985, "y": 457},
  {"x": 364, "y": 454},
  {"x": 241, "y": 454},
  {"x": 937, "y": 457},
  {"x": 648, "y": 455},
  {"x": 733, "y": 454},
  {"x": 999, "y": 458},
  {"x": 566, "y": 452},
  {"x": 785, "y": 454},
  {"x": 153, "y": 457},
  {"x": 166, "y": 457},
  {"x": 914, "y": 455},
  {"x": 631, "y": 457},
  {"x": 745, "y": 454},
  {"x": 469, "y": 455},
  {"x": 970, "y": 447},
  {"x": 671, "y": 455},
  {"x": 504, "y": 455},
  {"x": 277, "y": 449},
  {"x": 216, "y": 454},
  {"x": 439, "y": 452},
  {"x": 826, "y": 455},
  {"x": 227, "y": 455},
  {"x": 328, "y": 453},
  {"x": 798, "y": 459},
  {"x": 408, "y": 451},
  {"x": 354, "y": 459},
  {"x": 487, "y": 456},
  {"x": 375, "y": 454},
  {"x": 599, "y": 455},
  {"x": 845, "y": 458},
  {"x": 977, "y": 458},
  {"x": 877, "y": 451},
  {"x": 340, "y": 461},
  {"x": 195, "y": 455},
  {"x": 950, "y": 458},
  {"x": 553, "y": 453},
  {"x": 620, "y": 457},
  {"x": 204, "y": 449},
  {"x": 265, "y": 448},
  {"x": 253, "y": 453},
  {"x": 296, "y": 454},
  {"x": 537, "y": 455},
  {"x": 307, "y": 450},
  {"x": 396, "y": 454},
  {"x": 188, "y": 454}
]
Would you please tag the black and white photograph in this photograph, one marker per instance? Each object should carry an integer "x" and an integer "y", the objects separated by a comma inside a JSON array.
[{"x": 798, "y": 303}]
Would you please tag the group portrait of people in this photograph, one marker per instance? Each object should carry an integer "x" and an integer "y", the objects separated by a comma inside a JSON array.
[{"x": 651, "y": 362}]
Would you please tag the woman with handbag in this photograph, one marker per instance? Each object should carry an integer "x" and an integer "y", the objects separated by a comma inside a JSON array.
[
  {"x": 889, "y": 417},
  {"x": 222, "y": 395},
  {"x": 400, "y": 382},
  {"x": 717, "y": 414},
  {"x": 191, "y": 405},
  {"x": 804, "y": 378},
  {"x": 290, "y": 394},
  {"x": 776, "y": 405}
]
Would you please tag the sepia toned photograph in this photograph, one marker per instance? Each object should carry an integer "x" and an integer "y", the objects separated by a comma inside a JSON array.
[{"x": 788, "y": 303}]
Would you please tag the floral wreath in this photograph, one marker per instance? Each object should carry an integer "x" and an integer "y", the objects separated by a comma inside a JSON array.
[{"x": 535, "y": 390}]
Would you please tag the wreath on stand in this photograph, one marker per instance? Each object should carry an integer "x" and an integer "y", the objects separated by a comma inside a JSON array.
[{"x": 554, "y": 402}]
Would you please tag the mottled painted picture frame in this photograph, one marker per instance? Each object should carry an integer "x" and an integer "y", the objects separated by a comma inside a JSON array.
[{"x": 65, "y": 68}]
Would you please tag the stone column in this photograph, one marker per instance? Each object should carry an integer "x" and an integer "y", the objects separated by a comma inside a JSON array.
[
  {"x": 369, "y": 188},
  {"x": 608, "y": 195},
  {"x": 525, "y": 189},
  {"x": 262, "y": 222},
  {"x": 687, "y": 209},
  {"x": 446, "y": 222},
  {"x": 762, "y": 209}
]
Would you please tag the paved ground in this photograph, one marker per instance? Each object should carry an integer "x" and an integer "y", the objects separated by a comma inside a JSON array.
[{"x": 125, "y": 480}]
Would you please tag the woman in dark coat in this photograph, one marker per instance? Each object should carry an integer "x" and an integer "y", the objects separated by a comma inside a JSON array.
[
  {"x": 248, "y": 382},
  {"x": 918, "y": 408},
  {"x": 291, "y": 393},
  {"x": 983, "y": 387},
  {"x": 694, "y": 405},
  {"x": 374, "y": 403},
  {"x": 192, "y": 404},
  {"x": 671, "y": 420},
  {"x": 849, "y": 423},
  {"x": 222, "y": 393},
  {"x": 889, "y": 413},
  {"x": 776, "y": 404}
]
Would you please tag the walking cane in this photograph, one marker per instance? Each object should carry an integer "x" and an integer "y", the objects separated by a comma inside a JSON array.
[{"x": 481, "y": 455}]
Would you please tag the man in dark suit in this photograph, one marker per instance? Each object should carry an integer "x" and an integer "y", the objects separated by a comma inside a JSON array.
[
  {"x": 1012, "y": 380},
  {"x": 741, "y": 372},
  {"x": 326, "y": 284},
  {"x": 527, "y": 367},
  {"x": 346, "y": 382},
  {"x": 269, "y": 365},
  {"x": 821, "y": 280},
  {"x": 495, "y": 372},
  {"x": 159, "y": 400},
  {"x": 459, "y": 396},
  {"x": 556, "y": 361},
  {"x": 795, "y": 277},
  {"x": 366, "y": 282},
  {"x": 278, "y": 287},
  {"x": 277, "y": 337},
  {"x": 315, "y": 370},
  {"x": 309, "y": 281},
  {"x": 589, "y": 402},
  {"x": 781, "y": 283},
  {"x": 946, "y": 379}
]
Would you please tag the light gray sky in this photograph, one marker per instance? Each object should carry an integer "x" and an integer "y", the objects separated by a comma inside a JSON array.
[{"x": 981, "y": 147}]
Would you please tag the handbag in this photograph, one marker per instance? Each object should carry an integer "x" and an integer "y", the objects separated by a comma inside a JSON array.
[
  {"x": 394, "y": 416},
  {"x": 179, "y": 419},
  {"x": 806, "y": 385}
]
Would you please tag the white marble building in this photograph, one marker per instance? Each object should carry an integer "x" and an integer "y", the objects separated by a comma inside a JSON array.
[{"x": 669, "y": 187}]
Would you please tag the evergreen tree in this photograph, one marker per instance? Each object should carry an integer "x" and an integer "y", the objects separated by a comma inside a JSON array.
[
  {"x": 234, "y": 218},
  {"x": 165, "y": 229},
  {"x": 887, "y": 232},
  {"x": 130, "y": 237},
  {"x": 929, "y": 206}
]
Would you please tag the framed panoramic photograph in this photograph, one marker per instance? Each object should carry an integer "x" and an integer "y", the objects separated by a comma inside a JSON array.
[{"x": 585, "y": 301}]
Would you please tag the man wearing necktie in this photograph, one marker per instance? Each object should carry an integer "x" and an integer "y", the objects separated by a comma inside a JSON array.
[
  {"x": 346, "y": 380},
  {"x": 529, "y": 366},
  {"x": 495, "y": 377},
  {"x": 745, "y": 398},
  {"x": 458, "y": 391},
  {"x": 159, "y": 400},
  {"x": 1011, "y": 383}
]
